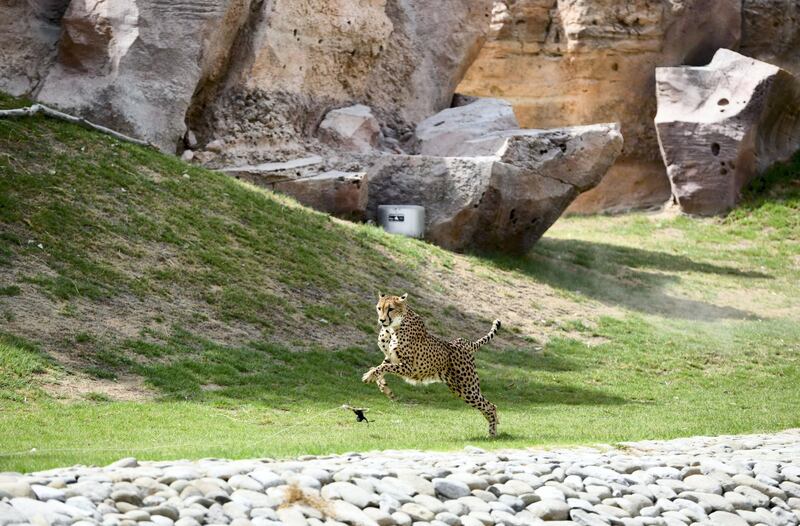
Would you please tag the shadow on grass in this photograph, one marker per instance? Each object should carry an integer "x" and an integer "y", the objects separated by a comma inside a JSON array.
[
  {"x": 613, "y": 275},
  {"x": 184, "y": 367}
]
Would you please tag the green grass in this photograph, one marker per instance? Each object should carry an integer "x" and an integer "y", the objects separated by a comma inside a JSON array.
[{"x": 657, "y": 326}]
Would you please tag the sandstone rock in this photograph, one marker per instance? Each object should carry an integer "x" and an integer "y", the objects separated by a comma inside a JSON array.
[
  {"x": 28, "y": 37},
  {"x": 354, "y": 128},
  {"x": 703, "y": 483},
  {"x": 504, "y": 202},
  {"x": 722, "y": 124},
  {"x": 569, "y": 63},
  {"x": 216, "y": 146},
  {"x": 446, "y": 133},
  {"x": 342, "y": 194},
  {"x": 271, "y": 172},
  {"x": 403, "y": 59},
  {"x": 16, "y": 488},
  {"x": 771, "y": 32},
  {"x": 134, "y": 66}
]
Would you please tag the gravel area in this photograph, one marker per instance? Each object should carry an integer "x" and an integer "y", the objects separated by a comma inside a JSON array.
[{"x": 729, "y": 480}]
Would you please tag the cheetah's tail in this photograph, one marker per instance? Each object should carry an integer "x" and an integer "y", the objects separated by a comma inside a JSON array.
[{"x": 474, "y": 346}]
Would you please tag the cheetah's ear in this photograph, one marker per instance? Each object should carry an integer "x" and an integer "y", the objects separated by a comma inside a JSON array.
[
  {"x": 381, "y": 295},
  {"x": 404, "y": 296}
]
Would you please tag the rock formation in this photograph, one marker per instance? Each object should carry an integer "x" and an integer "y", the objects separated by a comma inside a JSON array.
[
  {"x": 353, "y": 128},
  {"x": 134, "y": 66},
  {"x": 721, "y": 124},
  {"x": 403, "y": 59},
  {"x": 771, "y": 32},
  {"x": 447, "y": 133},
  {"x": 254, "y": 84},
  {"x": 342, "y": 194},
  {"x": 258, "y": 74},
  {"x": 29, "y": 31},
  {"x": 585, "y": 61},
  {"x": 506, "y": 196}
]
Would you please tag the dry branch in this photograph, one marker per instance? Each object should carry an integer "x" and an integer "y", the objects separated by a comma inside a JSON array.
[{"x": 55, "y": 114}]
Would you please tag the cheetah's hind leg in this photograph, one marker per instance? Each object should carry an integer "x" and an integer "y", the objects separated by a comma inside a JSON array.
[{"x": 472, "y": 395}]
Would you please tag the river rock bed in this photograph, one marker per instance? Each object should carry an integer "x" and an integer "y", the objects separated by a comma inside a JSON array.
[{"x": 728, "y": 480}]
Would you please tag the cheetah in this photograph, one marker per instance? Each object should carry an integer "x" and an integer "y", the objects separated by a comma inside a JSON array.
[{"x": 417, "y": 356}]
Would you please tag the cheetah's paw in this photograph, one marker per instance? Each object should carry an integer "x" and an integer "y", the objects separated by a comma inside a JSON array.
[{"x": 369, "y": 376}]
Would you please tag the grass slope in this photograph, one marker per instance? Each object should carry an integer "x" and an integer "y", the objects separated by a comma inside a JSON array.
[{"x": 239, "y": 322}]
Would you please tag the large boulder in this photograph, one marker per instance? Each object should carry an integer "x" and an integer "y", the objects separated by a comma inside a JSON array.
[
  {"x": 354, "y": 128},
  {"x": 342, "y": 194},
  {"x": 504, "y": 201},
  {"x": 582, "y": 61},
  {"x": 720, "y": 125},
  {"x": 29, "y": 32},
  {"x": 447, "y": 133},
  {"x": 402, "y": 59},
  {"x": 135, "y": 66}
]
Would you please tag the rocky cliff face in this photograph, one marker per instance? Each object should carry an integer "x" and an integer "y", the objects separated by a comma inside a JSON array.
[
  {"x": 572, "y": 62},
  {"x": 299, "y": 60},
  {"x": 258, "y": 73}
]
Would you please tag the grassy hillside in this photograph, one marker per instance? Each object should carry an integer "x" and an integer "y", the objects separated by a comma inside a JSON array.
[{"x": 155, "y": 309}]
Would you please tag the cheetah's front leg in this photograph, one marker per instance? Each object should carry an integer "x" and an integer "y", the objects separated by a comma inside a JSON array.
[{"x": 376, "y": 374}]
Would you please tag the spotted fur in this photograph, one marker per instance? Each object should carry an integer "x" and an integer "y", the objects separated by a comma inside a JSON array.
[{"x": 417, "y": 356}]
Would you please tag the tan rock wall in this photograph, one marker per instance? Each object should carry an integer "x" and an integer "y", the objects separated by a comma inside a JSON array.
[
  {"x": 303, "y": 58},
  {"x": 572, "y": 62},
  {"x": 771, "y": 32},
  {"x": 29, "y": 32}
]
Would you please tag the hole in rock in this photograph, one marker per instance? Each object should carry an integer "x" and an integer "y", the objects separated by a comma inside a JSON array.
[
  {"x": 723, "y": 102},
  {"x": 715, "y": 148}
]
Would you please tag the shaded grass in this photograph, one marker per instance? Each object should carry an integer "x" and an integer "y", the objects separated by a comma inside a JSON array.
[{"x": 20, "y": 363}]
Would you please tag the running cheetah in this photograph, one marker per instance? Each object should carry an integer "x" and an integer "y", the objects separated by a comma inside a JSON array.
[{"x": 419, "y": 357}]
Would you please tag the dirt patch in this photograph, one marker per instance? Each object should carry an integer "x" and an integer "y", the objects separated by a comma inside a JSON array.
[{"x": 69, "y": 386}]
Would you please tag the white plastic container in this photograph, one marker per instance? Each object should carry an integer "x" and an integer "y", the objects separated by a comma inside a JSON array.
[{"x": 408, "y": 220}]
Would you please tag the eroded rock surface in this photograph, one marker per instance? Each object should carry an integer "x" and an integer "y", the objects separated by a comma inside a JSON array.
[
  {"x": 29, "y": 32},
  {"x": 134, "y": 66},
  {"x": 402, "y": 59},
  {"x": 354, "y": 128},
  {"x": 585, "y": 61},
  {"x": 259, "y": 75},
  {"x": 447, "y": 133},
  {"x": 342, "y": 194},
  {"x": 771, "y": 32},
  {"x": 500, "y": 201},
  {"x": 722, "y": 124}
]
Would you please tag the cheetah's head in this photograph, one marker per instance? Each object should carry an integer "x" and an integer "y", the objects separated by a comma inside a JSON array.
[{"x": 391, "y": 310}]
